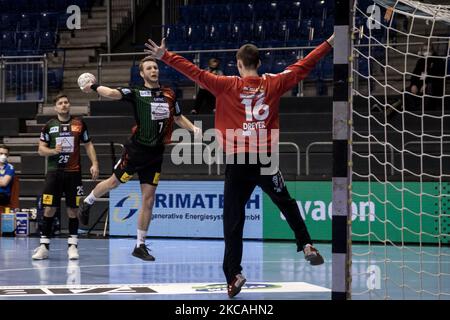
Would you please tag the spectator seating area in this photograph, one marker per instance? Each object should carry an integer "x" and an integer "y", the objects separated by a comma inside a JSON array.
[
  {"x": 216, "y": 25},
  {"x": 31, "y": 28}
]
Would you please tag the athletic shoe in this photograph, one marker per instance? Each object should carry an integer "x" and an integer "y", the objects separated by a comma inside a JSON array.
[
  {"x": 312, "y": 255},
  {"x": 235, "y": 286},
  {"x": 40, "y": 253},
  {"x": 141, "y": 252},
  {"x": 83, "y": 212},
  {"x": 72, "y": 252}
]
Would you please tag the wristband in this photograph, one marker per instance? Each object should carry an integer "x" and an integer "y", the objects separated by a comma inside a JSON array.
[{"x": 94, "y": 86}]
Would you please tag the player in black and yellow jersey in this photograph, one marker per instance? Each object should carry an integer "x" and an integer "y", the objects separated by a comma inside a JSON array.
[
  {"x": 155, "y": 110},
  {"x": 60, "y": 142}
]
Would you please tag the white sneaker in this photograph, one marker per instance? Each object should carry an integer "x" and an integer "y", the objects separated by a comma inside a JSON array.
[
  {"x": 72, "y": 252},
  {"x": 40, "y": 253}
]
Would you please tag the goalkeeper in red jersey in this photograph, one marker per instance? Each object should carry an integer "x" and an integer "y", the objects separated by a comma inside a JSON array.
[{"x": 249, "y": 105}]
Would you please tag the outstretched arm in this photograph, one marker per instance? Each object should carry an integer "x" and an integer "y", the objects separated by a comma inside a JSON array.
[
  {"x": 300, "y": 70},
  {"x": 104, "y": 91},
  {"x": 211, "y": 82}
]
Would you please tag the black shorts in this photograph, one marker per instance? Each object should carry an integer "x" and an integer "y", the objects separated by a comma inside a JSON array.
[
  {"x": 59, "y": 183},
  {"x": 146, "y": 161}
]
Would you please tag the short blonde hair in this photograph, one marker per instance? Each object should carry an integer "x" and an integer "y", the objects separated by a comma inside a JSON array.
[{"x": 148, "y": 58}]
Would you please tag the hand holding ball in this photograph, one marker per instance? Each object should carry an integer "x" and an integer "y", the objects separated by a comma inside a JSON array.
[{"x": 85, "y": 81}]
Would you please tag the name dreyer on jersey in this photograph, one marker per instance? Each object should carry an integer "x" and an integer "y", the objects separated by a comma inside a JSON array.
[{"x": 213, "y": 147}]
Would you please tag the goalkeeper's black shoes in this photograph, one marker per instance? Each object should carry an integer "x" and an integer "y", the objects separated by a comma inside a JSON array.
[{"x": 83, "y": 212}]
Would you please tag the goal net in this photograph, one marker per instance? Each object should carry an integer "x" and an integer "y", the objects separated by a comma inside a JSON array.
[{"x": 401, "y": 150}]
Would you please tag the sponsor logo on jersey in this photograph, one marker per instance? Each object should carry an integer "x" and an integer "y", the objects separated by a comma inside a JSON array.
[
  {"x": 47, "y": 199},
  {"x": 76, "y": 128},
  {"x": 54, "y": 129},
  {"x": 145, "y": 93}
]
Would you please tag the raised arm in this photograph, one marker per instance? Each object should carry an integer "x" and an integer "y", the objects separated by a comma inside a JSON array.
[
  {"x": 300, "y": 70},
  {"x": 211, "y": 82}
]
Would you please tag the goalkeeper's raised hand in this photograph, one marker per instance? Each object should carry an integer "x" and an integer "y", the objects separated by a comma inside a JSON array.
[{"x": 154, "y": 50}]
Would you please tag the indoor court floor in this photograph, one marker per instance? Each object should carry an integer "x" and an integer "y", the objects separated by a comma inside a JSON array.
[{"x": 192, "y": 269}]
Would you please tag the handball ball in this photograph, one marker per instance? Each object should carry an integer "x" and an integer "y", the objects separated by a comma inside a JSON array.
[{"x": 85, "y": 78}]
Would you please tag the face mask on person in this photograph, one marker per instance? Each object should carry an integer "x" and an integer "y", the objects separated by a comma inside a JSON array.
[{"x": 3, "y": 158}]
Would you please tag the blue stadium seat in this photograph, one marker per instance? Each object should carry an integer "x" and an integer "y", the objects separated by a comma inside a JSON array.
[
  {"x": 266, "y": 67},
  {"x": 242, "y": 12},
  {"x": 175, "y": 34},
  {"x": 48, "y": 21},
  {"x": 317, "y": 25},
  {"x": 279, "y": 65},
  {"x": 234, "y": 35},
  {"x": 6, "y": 6},
  {"x": 291, "y": 56},
  {"x": 267, "y": 58},
  {"x": 135, "y": 77},
  {"x": 278, "y": 31},
  {"x": 296, "y": 36},
  {"x": 8, "y": 21},
  {"x": 55, "y": 78},
  {"x": 62, "y": 21},
  {"x": 329, "y": 8},
  {"x": 46, "y": 41},
  {"x": 246, "y": 32},
  {"x": 266, "y": 11},
  {"x": 191, "y": 14},
  {"x": 329, "y": 26},
  {"x": 259, "y": 32},
  {"x": 319, "y": 9},
  {"x": 28, "y": 22},
  {"x": 26, "y": 41},
  {"x": 307, "y": 8},
  {"x": 195, "y": 35},
  {"x": 289, "y": 10},
  {"x": 216, "y": 13},
  {"x": 28, "y": 6},
  {"x": 8, "y": 40},
  {"x": 217, "y": 34},
  {"x": 167, "y": 75}
]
